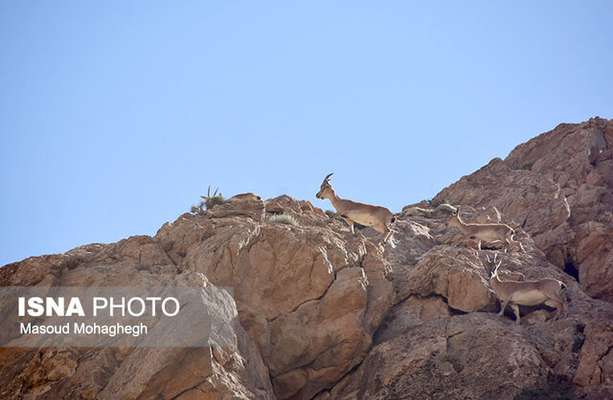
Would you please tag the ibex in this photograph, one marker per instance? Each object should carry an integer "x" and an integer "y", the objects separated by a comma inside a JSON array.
[
  {"x": 492, "y": 232},
  {"x": 379, "y": 218},
  {"x": 546, "y": 291},
  {"x": 430, "y": 212}
]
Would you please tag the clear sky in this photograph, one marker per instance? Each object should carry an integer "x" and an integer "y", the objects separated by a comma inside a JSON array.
[{"x": 116, "y": 115}]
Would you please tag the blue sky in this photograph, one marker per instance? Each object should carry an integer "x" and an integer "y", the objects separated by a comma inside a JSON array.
[{"x": 115, "y": 116}]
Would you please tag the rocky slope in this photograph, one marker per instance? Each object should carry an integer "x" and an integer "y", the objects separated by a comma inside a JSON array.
[
  {"x": 559, "y": 188},
  {"x": 314, "y": 312}
]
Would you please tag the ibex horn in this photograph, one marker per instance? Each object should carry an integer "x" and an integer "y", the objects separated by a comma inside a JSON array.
[{"x": 328, "y": 176}]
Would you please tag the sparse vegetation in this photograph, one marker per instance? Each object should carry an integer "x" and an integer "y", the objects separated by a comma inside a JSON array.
[
  {"x": 209, "y": 201},
  {"x": 283, "y": 219}
]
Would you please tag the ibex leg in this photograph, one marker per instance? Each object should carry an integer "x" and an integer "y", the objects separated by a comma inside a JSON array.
[
  {"x": 559, "y": 306},
  {"x": 350, "y": 223},
  {"x": 388, "y": 233},
  {"x": 503, "y": 305},
  {"x": 515, "y": 308}
]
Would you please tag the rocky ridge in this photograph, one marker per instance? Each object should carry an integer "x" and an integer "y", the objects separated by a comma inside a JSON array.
[{"x": 316, "y": 312}]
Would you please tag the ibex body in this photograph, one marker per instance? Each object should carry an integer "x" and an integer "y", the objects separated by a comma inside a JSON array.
[
  {"x": 512, "y": 275},
  {"x": 379, "y": 218},
  {"x": 492, "y": 232},
  {"x": 546, "y": 291},
  {"x": 430, "y": 212}
]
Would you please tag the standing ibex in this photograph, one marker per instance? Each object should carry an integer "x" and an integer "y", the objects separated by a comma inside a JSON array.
[
  {"x": 379, "y": 218},
  {"x": 546, "y": 291},
  {"x": 492, "y": 232}
]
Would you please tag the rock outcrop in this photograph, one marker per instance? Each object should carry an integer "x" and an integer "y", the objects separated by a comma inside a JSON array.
[
  {"x": 230, "y": 368},
  {"x": 443, "y": 340},
  {"x": 306, "y": 301},
  {"x": 311, "y": 311},
  {"x": 559, "y": 188},
  {"x": 310, "y": 295}
]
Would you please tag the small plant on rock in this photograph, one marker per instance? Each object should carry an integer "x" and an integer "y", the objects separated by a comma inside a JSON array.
[
  {"x": 209, "y": 201},
  {"x": 283, "y": 219}
]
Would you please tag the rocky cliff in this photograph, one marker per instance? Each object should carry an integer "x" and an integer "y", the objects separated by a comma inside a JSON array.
[
  {"x": 315, "y": 312},
  {"x": 559, "y": 188}
]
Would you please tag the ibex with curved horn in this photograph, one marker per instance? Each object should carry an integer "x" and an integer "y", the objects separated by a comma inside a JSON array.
[
  {"x": 546, "y": 291},
  {"x": 492, "y": 232},
  {"x": 379, "y": 218}
]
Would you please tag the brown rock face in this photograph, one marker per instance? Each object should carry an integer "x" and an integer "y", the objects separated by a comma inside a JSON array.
[
  {"x": 559, "y": 188},
  {"x": 307, "y": 300},
  {"x": 442, "y": 339},
  {"x": 131, "y": 373},
  {"x": 455, "y": 274},
  {"x": 309, "y": 311},
  {"x": 470, "y": 356},
  {"x": 311, "y": 296}
]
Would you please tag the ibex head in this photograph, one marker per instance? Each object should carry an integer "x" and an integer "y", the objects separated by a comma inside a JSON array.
[
  {"x": 454, "y": 218},
  {"x": 325, "y": 190}
]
